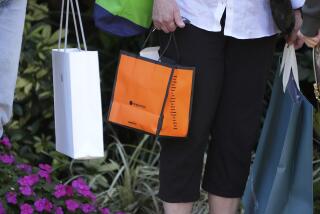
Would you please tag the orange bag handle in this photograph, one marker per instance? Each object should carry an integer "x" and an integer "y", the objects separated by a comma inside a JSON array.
[{"x": 160, "y": 121}]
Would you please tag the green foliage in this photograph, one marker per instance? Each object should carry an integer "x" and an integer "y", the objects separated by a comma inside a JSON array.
[{"x": 127, "y": 178}]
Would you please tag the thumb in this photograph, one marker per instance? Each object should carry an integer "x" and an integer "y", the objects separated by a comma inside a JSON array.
[{"x": 177, "y": 19}]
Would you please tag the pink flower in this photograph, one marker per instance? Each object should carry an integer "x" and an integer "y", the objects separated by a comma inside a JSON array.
[
  {"x": 26, "y": 190},
  {"x": 7, "y": 159},
  {"x": 104, "y": 211},
  {"x": 72, "y": 205},
  {"x": 25, "y": 167},
  {"x": 60, "y": 190},
  {"x": 43, "y": 204},
  {"x": 6, "y": 142},
  {"x": 45, "y": 167},
  {"x": 26, "y": 209},
  {"x": 28, "y": 180},
  {"x": 11, "y": 197},
  {"x": 59, "y": 210},
  {"x": 2, "y": 210},
  {"x": 87, "y": 208}
]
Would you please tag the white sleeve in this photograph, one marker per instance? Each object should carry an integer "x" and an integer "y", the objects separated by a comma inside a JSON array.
[
  {"x": 13, "y": 15},
  {"x": 297, "y": 3}
]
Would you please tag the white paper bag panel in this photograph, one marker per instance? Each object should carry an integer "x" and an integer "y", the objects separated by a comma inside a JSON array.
[{"x": 77, "y": 103}]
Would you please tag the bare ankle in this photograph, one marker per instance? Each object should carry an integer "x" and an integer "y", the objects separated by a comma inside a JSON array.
[{"x": 177, "y": 208}]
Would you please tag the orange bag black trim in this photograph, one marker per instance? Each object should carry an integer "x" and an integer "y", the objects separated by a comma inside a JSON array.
[{"x": 152, "y": 97}]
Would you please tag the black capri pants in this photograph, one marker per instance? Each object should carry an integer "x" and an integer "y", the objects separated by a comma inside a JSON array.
[{"x": 227, "y": 105}]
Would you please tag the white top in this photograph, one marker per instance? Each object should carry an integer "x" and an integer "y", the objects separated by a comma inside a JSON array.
[{"x": 245, "y": 19}]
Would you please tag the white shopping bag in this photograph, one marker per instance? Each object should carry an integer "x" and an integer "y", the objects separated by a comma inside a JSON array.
[{"x": 77, "y": 97}]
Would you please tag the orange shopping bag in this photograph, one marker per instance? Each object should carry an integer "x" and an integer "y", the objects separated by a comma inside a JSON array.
[{"x": 151, "y": 96}]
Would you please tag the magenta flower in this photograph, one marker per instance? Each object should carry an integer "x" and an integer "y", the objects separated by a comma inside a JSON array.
[
  {"x": 39, "y": 204},
  {"x": 72, "y": 205},
  {"x": 48, "y": 206},
  {"x": 25, "y": 167},
  {"x": 44, "y": 174},
  {"x": 26, "y": 209},
  {"x": 104, "y": 211},
  {"x": 87, "y": 208},
  {"x": 82, "y": 188},
  {"x": 60, "y": 190},
  {"x": 45, "y": 167},
  {"x": 59, "y": 210},
  {"x": 26, "y": 190},
  {"x": 120, "y": 213},
  {"x": 11, "y": 197},
  {"x": 80, "y": 184},
  {"x": 7, "y": 159},
  {"x": 69, "y": 191},
  {"x": 43, "y": 204},
  {"x": 28, "y": 180},
  {"x": 6, "y": 142},
  {"x": 2, "y": 210}
]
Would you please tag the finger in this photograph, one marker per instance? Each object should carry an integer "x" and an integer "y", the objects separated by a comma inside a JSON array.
[
  {"x": 300, "y": 35},
  {"x": 178, "y": 19},
  {"x": 298, "y": 43},
  {"x": 290, "y": 40},
  {"x": 164, "y": 28},
  {"x": 157, "y": 25},
  {"x": 310, "y": 43},
  {"x": 170, "y": 25}
]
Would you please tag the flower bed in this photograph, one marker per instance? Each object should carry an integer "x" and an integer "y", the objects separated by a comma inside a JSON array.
[{"x": 27, "y": 189}]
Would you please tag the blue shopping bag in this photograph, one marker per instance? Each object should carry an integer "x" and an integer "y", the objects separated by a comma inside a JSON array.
[{"x": 280, "y": 181}]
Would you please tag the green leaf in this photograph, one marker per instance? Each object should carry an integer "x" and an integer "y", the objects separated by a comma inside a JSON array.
[
  {"x": 112, "y": 166},
  {"x": 42, "y": 73},
  {"x": 21, "y": 83},
  {"x": 28, "y": 88}
]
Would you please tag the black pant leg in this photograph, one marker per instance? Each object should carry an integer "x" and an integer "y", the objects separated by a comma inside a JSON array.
[
  {"x": 181, "y": 161},
  {"x": 237, "y": 122}
]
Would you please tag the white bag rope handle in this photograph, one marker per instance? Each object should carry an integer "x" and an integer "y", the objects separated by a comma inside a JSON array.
[
  {"x": 289, "y": 64},
  {"x": 70, "y": 2}
]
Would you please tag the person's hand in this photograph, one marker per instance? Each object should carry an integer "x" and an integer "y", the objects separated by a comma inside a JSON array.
[
  {"x": 293, "y": 38},
  {"x": 166, "y": 15},
  {"x": 311, "y": 42}
]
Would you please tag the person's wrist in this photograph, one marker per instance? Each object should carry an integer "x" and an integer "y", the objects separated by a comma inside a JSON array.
[{"x": 298, "y": 11}]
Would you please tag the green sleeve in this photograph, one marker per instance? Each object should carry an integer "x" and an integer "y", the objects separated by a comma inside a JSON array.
[{"x": 311, "y": 18}]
